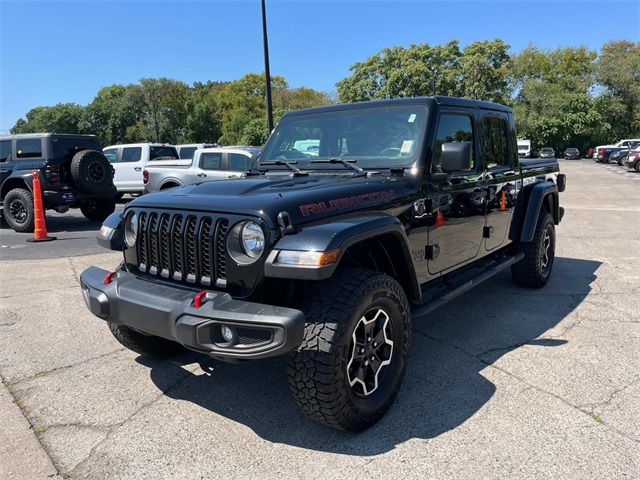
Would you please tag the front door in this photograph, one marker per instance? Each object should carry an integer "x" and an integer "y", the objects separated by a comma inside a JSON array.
[{"x": 458, "y": 202}]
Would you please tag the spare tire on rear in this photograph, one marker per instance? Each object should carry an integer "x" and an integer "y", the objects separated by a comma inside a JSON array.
[{"x": 91, "y": 172}]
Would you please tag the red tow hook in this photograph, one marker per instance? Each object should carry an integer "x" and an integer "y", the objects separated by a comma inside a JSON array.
[
  {"x": 108, "y": 278},
  {"x": 200, "y": 298}
]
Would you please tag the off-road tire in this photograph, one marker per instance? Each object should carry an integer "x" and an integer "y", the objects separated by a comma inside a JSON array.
[
  {"x": 91, "y": 172},
  {"x": 317, "y": 370},
  {"x": 98, "y": 209},
  {"x": 23, "y": 199},
  {"x": 146, "y": 345},
  {"x": 531, "y": 271}
]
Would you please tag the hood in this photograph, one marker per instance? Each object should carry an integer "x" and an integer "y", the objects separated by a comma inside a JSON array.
[{"x": 305, "y": 198}]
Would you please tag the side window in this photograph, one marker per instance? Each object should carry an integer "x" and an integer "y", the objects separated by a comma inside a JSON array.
[
  {"x": 494, "y": 141},
  {"x": 453, "y": 128},
  {"x": 131, "y": 154},
  {"x": 5, "y": 150},
  {"x": 210, "y": 160},
  {"x": 29, "y": 148},
  {"x": 187, "y": 152},
  {"x": 111, "y": 154},
  {"x": 239, "y": 162}
]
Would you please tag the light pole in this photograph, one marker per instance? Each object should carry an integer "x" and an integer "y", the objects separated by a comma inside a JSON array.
[{"x": 267, "y": 73}]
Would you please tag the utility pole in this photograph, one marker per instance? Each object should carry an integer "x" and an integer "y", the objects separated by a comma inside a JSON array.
[{"x": 267, "y": 73}]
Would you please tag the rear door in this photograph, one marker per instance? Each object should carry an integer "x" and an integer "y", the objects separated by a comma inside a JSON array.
[
  {"x": 129, "y": 169},
  {"x": 501, "y": 163},
  {"x": 5, "y": 154},
  {"x": 209, "y": 167},
  {"x": 237, "y": 163}
]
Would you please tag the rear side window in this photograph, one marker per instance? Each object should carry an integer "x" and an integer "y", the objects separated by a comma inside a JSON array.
[
  {"x": 65, "y": 147},
  {"x": 131, "y": 154},
  {"x": 187, "y": 152},
  {"x": 494, "y": 140},
  {"x": 5, "y": 150},
  {"x": 210, "y": 161},
  {"x": 239, "y": 162},
  {"x": 29, "y": 148},
  {"x": 163, "y": 153},
  {"x": 111, "y": 154},
  {"x": 453, "y": 128}
]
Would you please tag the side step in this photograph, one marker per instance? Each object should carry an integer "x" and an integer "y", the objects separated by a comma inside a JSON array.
[{"x": 430, "y": 305}]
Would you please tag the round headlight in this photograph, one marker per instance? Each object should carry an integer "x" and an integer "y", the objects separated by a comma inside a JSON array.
[
  {"x": 252, "y": 239},
  {"x": 131, "y": 230}
]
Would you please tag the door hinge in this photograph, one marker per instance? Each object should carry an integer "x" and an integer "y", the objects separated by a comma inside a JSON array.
[{"x": 432, "y": 251}]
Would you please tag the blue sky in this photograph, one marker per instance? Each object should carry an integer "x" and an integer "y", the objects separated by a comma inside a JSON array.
[{"x": 64, "y": 51}]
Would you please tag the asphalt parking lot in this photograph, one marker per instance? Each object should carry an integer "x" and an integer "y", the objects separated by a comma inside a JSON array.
[{"x": 503, "y": 383}]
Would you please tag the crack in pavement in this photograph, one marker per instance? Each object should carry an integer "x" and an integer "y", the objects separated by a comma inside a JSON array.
[
  {"x": 74, "y": 272},
  {"x": 117, "y": 425},
  {"x": 593, "y": 406},
  {"x": 31, "y": 292},
  {"x": 522, "y": 380},
  {"x": 45, "y": 373}
]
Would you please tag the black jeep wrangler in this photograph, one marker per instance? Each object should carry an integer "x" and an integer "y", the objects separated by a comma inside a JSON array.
[
  {"x": 73, "y": 173},
  {"x": 355, "y": 220}
]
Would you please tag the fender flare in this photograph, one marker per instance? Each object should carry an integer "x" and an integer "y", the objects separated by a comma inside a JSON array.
[
  {"x": 339, "y": 234},
  {"x": 528, "y": 207},
  {"x": 22, "y": 177},
  {"x": 170, "y": 180}
]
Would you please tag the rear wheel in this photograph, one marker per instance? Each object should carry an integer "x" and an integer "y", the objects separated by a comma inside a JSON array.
[
  {"x": 146, "y": 345},
  {"x": 97, "y": 210},
  {"x": 622, "y": 161},
  {"x": 350, "y": 365},
  {"x": 637, "y": 167},
  {"x": 17, "y": 208},
  {"x": 535, "y": 268}
]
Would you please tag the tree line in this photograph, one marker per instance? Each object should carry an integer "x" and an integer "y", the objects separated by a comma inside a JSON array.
[{"x": 569, "y": 96}]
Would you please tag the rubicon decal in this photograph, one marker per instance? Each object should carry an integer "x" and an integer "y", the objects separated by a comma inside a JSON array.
[{"x": 346, "y": 202}]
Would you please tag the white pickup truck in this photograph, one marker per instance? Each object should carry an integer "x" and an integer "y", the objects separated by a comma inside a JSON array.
[
  {"x": 207, "y": 164},
  {"x": 129, "y": 161}
]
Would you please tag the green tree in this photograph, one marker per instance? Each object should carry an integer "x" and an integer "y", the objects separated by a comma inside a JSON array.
[
  {"x": 114, "y": 109},
  {"x": 618, "y": 71},
  {"x": 59, "y": 118},
  {"x": 484, "y": 71}
]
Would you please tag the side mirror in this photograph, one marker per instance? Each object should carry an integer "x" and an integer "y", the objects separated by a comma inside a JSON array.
[{"x": 456, "y": 156}]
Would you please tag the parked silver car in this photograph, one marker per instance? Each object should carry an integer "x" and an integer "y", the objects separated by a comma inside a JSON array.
[{"x": 207, "y": 164}]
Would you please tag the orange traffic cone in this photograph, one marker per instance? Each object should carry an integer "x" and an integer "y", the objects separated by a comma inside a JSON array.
[
  {"x": 40, "y": 230},
  {"x": 439, "y": 219},
  {"x": 503, "y": 201}
]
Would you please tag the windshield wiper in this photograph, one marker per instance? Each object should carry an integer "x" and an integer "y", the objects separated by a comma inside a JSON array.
[
  {"x": 359, "y": 172},
  {"x": 290, "y": 165}
]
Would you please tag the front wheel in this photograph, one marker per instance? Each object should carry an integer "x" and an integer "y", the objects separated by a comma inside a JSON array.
[
  {"x": 534, "y": 269},
  {"x": 622, "y": 161},
  {"x": 350, "y": 365},
  {"x": 18, "y": 210},
  {"x": 99, "y": 209}
]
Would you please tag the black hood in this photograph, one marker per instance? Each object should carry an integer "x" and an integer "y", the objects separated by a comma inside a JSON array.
[{"x": 305, "y": 198}]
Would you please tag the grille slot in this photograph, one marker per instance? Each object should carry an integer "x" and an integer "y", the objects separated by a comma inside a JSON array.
[
  {"x": 252, "y": 336},
  {"x": 184, "y": 247}
]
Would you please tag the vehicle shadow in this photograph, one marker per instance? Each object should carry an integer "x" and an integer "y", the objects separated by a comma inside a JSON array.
[{"x": 443, "y": 386}]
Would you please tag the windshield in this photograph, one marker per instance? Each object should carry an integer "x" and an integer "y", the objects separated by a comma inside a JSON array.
[
  {"x": 163, "y": 153},
  {"x": 523, "y": 147},
  {"x": 377, "y": 137}
]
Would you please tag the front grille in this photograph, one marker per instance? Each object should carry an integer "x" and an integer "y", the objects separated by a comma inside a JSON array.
[{"x": 186, "y": 247}]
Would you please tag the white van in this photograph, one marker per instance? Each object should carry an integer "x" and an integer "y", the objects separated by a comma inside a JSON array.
[
  {"x": 524, "y": 148},
  {"x": 130, "y": 159}
]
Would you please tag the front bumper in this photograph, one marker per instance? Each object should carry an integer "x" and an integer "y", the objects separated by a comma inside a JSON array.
[{"x": 154, "y": 309}]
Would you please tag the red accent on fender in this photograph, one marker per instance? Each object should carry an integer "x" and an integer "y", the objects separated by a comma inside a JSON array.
[
  {"x": 108, "y": 278},
  {"x": 199, "y": 299}
]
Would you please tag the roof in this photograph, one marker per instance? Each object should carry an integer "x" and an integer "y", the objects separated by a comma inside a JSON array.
[
  {"x": 251, "y": 150},
  {"x": 139, "y": 144},
  {"x": 40, "y": 135},
  {"x": 428, "y": 101}
]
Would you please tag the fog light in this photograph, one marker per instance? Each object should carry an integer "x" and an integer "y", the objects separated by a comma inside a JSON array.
[{"x": 227, "y": 333}]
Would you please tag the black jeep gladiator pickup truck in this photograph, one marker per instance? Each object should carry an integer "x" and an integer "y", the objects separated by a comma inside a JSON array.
[
  {"x": 328, "y": 256},
  {"x": 73, "y": 174}
]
